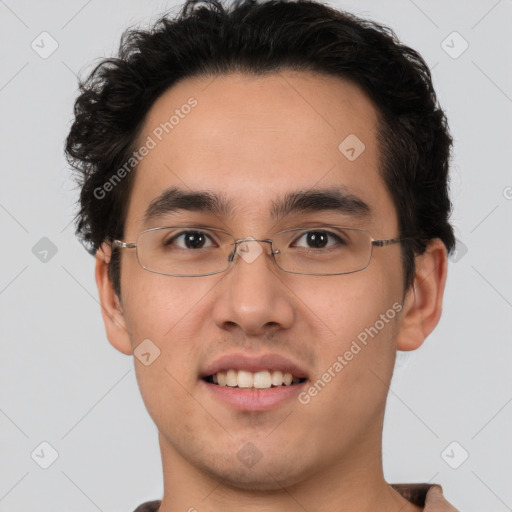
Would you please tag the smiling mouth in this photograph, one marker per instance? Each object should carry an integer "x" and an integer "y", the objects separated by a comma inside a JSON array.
[{"x": 261, "y": 380}]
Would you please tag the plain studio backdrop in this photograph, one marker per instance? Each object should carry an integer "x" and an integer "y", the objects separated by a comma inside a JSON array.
[{"x": 449, "y": 411}]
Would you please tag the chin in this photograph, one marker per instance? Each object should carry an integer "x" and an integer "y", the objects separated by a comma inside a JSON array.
[{"x": 262, "y": 477}]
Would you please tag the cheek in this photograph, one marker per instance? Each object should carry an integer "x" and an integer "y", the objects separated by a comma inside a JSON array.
[
  {"x": 355, "y": 366},
  {"x": 357, "y": 324},
  {"x": 161, "y": 315},
  {"x": 166, "y": 311},
  {"x": 155, "y": 305},
  {"x": 347, "y": 305}
]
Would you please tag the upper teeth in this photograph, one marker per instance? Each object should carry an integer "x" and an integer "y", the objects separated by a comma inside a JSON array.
[{"x": 259, "y": 380}]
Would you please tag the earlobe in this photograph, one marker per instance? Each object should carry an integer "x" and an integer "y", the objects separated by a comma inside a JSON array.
[
  {"x": 424, "y": 300},
  {"x": 111, "y": 307}
]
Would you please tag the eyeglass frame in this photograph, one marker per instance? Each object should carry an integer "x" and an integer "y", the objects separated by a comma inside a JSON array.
[{"x": 119, "y": 244}]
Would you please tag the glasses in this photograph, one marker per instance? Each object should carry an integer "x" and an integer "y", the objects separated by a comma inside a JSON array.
[{"x": 191, "y": 251}]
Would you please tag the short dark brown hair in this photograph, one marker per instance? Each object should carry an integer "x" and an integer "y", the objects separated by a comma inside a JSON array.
[{"x": 256, "y": 37}]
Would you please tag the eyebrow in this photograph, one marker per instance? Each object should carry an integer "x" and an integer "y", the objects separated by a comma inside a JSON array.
[{"x": 331, "y": 199}]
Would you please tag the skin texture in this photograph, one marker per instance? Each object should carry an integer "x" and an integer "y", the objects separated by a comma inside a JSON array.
[{"x": 255, "y": 139}]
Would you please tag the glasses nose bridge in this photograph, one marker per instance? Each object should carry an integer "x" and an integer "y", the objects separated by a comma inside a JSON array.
[
  {"x": 237, "y": 243},
  {"x": 252, "y": 239}
]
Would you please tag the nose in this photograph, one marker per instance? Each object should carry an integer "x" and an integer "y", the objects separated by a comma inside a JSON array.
[{"x": 252, "y": 296}]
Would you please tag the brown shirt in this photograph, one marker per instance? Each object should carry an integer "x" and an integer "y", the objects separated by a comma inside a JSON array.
[{"x": 429, "y": 496}]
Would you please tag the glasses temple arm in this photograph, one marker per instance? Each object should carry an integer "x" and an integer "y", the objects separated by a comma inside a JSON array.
[
  {"x": 385, "y": 243},
  {"x": 124, "y": 245}
]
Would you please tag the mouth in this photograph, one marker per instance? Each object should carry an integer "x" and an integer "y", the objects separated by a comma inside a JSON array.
[
  {"x": 260, "y": 380},
  {"x": 246, "y": 382}
]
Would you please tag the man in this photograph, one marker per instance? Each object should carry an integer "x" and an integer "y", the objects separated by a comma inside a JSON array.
[{"x": 265, "y": 189}]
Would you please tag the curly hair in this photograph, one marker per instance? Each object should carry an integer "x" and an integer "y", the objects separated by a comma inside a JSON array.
[{"x": 255, "y": 37}]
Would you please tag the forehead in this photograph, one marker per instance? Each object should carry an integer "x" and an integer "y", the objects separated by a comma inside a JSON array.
[{"x": 253, "y": 139}]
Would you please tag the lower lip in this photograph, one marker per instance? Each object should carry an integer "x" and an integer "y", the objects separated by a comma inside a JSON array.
[{"x": 254, "y": 399}]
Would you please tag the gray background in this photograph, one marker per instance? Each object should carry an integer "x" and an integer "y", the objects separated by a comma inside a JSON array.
[{"x": 62, "y": 382}]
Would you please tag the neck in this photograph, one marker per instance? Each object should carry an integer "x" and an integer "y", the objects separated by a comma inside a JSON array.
[{"x": 355, "y": 483}]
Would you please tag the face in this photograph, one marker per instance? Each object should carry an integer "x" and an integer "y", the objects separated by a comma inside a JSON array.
[{"x": 253, "y": 141}]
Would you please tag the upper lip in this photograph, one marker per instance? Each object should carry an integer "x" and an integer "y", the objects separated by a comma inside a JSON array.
[{"x": 242, "y": 361}]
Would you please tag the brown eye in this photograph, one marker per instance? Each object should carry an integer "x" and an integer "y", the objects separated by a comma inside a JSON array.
[
  {"x": 318, "y": 239},
  {"x": 189, "y": 240}
]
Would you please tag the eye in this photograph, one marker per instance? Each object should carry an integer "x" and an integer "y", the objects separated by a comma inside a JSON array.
[
  {"x": 189, "y": 240},
  {"x": 318, "y": 239}
]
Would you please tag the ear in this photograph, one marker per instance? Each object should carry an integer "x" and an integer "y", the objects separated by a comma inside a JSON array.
[
  {"x": 424, "y": 300},
  {"x": 111, "y": 307}
]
